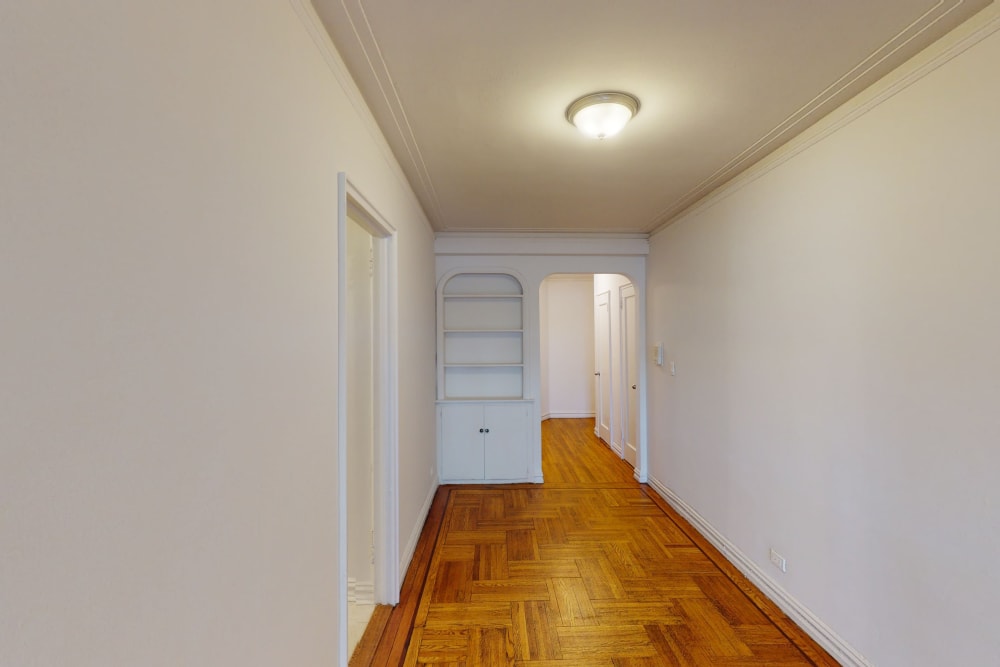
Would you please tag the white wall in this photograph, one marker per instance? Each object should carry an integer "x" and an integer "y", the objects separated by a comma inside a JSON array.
[
  {"x": 834, "y": 321},
  {"x": 169, "y": 333},
  {"x": 566, "y": 321}
]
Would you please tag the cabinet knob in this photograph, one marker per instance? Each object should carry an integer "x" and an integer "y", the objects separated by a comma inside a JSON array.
[
  {"x": 482, "y": 430},
  {"x": 487, "y": 430},
  {"x": 633, "y": 386}
]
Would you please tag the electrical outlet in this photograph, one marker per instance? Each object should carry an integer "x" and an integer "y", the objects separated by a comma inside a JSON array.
[{"x": 779, "y": 561}]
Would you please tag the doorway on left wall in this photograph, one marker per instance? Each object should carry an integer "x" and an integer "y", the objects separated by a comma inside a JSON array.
[
  {"x": 360, "y": 333},
  {"x": 367, "y": 475}
]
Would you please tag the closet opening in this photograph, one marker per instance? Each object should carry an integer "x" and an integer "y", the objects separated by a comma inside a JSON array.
[{"x": 590, "y": 356}]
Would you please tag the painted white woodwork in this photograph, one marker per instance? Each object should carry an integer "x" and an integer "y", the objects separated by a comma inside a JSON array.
[
  {"x": 531, "y": 260},
  {"x": 604, "y": 387},
  {"x": 550, "y": 244},
  {"x": 484, "y": 441},
  {"x": 612, "y": 286},
  {"x": 481, "y": 337},
  {"x": 463, "y": 443},
  {"x": 544, "y": 360},
  {"x": 631, "y": 355},
  {"x": 481, "y": 358},
  {"x": 360, "y": 336},
  {"x": 834, "y": 319}
]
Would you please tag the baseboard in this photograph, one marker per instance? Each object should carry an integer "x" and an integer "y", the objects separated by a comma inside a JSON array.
[
  {"x": 531, "y": 479},
  {"x": 567, "y": 415},
  {"x": 360, "y": 592},
  {"x": 411, "y": 544},
  {"x": 834, "y": 644},
  {"x": 616, "y": 447}
]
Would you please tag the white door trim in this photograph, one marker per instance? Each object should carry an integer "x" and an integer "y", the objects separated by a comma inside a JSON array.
[
  {"x": 605, "y": 376},
  {"x": 630, "y": 439},
  {"x": 386, "y": 395}
]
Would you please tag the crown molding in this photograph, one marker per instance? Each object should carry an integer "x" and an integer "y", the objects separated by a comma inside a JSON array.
[
  {"x": 959, "y": 40},
  {"x": 805, "y": 117},
  {"x": 364, "y": 34},
  {"x": 321, "y": 39},
  {"x": 552, "y": 243}
]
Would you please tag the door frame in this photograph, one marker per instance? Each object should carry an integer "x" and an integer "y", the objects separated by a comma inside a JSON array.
[{"x": 385, "y": 355}]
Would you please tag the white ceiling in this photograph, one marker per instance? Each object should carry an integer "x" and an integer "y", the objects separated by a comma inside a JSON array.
[{"x": 471, "y": 95}]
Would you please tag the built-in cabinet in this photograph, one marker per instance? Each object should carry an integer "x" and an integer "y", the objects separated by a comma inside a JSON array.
[
  {"x": 484, "y": 441},
  {"x": 483, "y": 419}
]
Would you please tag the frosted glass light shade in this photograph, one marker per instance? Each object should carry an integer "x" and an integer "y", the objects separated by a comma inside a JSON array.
[{"x": 602, "y": 115}]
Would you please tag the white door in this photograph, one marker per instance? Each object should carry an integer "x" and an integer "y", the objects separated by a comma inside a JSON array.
[
  {"x": 506, "y": 452},
  {"x": 602, "y": 354},
  {"x": 630, "y": 362},
  {"x": 462, "y": 441}
]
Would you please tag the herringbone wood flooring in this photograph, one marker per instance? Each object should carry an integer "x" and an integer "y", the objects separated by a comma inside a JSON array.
[{"x": 590, "y": 568}]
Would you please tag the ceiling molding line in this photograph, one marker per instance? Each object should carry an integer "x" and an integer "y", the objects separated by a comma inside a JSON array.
[
  {"x": 760, "y": 148},
  {"x": 537, "y": 231},
  {"x": 396, "y": 110},
  {"x": 961, "y": 39},
  {"x": 552, "y": 244},
  {"x": 321, "y": 39},
  {"x": 526, "y": 234}
]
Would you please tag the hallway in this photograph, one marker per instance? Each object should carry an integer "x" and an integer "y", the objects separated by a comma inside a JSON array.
[{"x": 589, "y": 568}]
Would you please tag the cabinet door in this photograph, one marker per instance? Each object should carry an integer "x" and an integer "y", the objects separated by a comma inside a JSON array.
[
  {"x": 462, "y": 441},
  {"x": 507, "y": 441}
]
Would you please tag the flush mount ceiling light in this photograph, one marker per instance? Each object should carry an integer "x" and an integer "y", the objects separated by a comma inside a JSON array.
[{"x": 602, "y": 115}]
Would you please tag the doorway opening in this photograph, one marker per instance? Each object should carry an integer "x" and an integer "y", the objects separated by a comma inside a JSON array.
[
  {"x": 590, "y": 355},
  {"x": 367, "y": 414},
  {"x": 360, "y": 332}
]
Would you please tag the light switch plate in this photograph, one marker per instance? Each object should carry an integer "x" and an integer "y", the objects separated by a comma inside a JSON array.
[{"x": 658, "y": 354}]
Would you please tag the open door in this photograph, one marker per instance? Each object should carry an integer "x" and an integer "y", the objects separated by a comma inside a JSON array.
[
  {"x": 630, "y": 364},
  {"x": 602, "y": 354}
]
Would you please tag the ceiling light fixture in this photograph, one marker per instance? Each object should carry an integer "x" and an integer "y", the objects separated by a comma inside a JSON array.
[{"x": 602, "y": 115}]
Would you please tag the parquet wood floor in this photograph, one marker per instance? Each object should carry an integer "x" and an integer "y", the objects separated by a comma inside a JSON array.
[{"x": 590, "y": 568}]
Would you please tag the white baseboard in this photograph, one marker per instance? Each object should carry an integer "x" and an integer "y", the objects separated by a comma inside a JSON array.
[
  {"x": 411, "y": 544},
  {"x": 616, "y": 447},
  {"x": 360, "y": 592},
  {"x": 531, "y": 479},
  {"x": 567, "y": 415},
  {"x": 843, "y": 652}
]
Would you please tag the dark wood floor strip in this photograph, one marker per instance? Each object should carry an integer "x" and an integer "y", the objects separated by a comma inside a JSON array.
[
  {"x": 391, "y": 647},
  {"x": 589, "y": 568},
  {"x": 788, "y": 628}
]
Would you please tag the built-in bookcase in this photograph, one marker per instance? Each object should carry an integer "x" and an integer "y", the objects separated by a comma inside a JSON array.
[
  {"x": 483, "y": 417},
  {"x": 481, "y": 347}
]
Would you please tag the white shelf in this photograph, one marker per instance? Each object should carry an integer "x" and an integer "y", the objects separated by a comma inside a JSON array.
[
  {"x": 483, "y": 365},
  {"x": 462, "y": 331},
  {"x": 483, "y": 284},
  {"x": 500, "y": 381},
  {"x": 481, "y": 337},
  {"x": 478, "y": 313},
  {"x": 483, "y": 417},
  {"x": 483, "y": 296}
]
